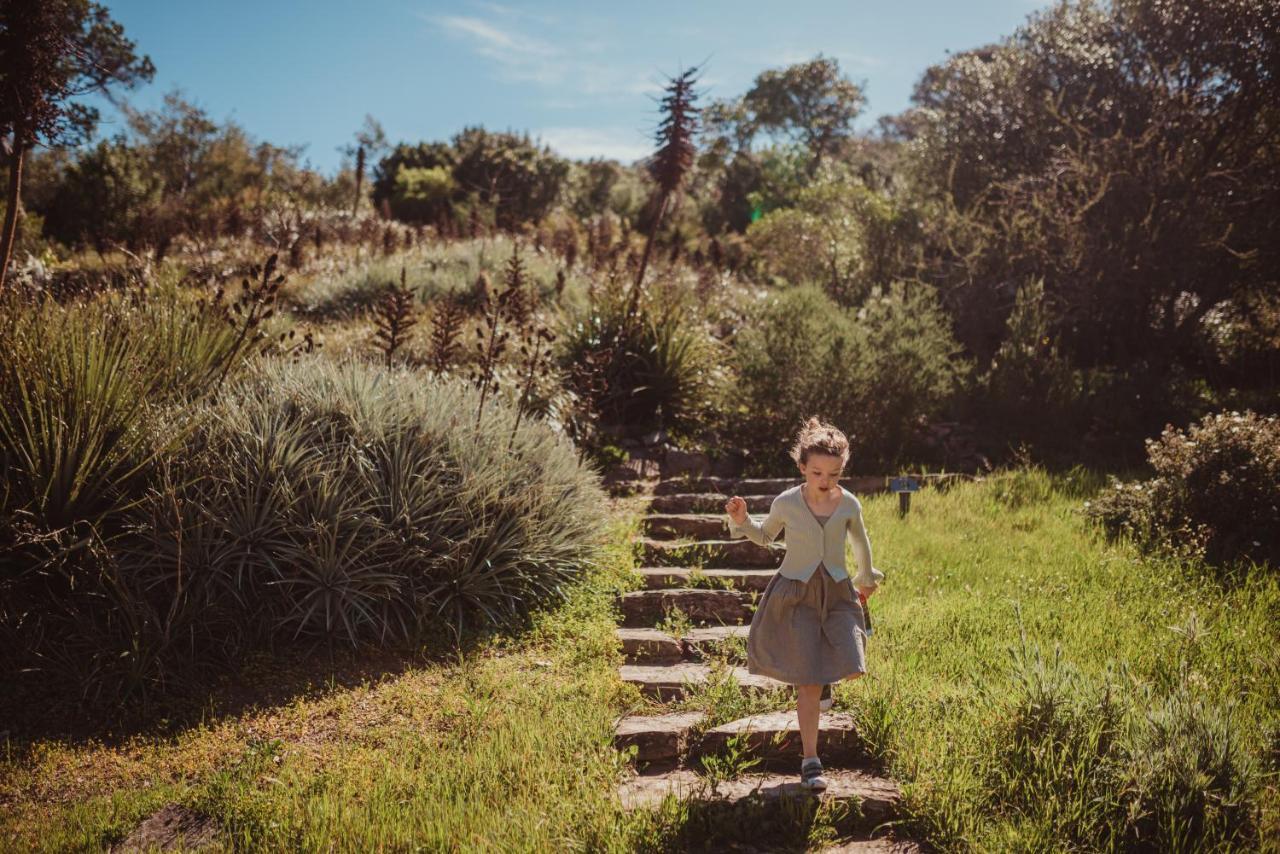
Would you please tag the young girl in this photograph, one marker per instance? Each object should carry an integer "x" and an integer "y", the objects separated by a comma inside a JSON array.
[{"x": 810, "y": 626}]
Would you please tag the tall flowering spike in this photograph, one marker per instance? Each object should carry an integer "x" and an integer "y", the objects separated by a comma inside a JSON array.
[
  {"x": 675, "y": 135},
  {"x": 670, "y": 164}
]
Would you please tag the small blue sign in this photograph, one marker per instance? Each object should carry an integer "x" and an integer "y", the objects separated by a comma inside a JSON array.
[{"x": 904, "y": 484}]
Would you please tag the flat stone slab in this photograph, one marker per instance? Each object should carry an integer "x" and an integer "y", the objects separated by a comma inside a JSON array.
[
  {"x": 705, "y": 502},
  {"x": 171, "y": 827},
  {"x": 671, "y": 526},
  {"x": 880, "y": 845},
  {"x": 879, "y": 796},
  {"x": 657, "y": 738},
  {"x": 696, "y": 642},
  {"x": 649, "y": 646},
  {"x": 672, "y": 681},
  {"x": 745, "y": 486},
  {"x": 659, "y": 577},
  {"x": 700, "y": 604},
  {"x": 722, "y": 554},
  {"x": 838, "y": 740}
]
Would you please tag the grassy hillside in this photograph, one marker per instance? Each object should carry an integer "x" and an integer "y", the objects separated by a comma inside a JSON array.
[{"x": 1001, "y": 624}]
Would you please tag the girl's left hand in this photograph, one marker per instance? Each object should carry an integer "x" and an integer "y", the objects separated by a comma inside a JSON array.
[{"x": 866, "y": 591}]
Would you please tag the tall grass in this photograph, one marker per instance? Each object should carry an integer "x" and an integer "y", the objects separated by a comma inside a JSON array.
[
  {"x": 1037, "y": 689},
  {"x": 81, "y": 390},
  {"x": 432, "y": 271}
]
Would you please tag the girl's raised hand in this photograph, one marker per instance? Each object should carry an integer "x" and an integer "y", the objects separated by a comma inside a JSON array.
[{"x": 736, "y": 507}]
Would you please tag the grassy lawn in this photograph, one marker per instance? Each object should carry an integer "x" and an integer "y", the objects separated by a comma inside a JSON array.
[{"x": 1001, "y": 622}]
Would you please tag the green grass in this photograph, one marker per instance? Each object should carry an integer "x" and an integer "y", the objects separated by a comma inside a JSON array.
[
  {"x": 999, "y": 606},
  {"x": 1001, "y": 619}
]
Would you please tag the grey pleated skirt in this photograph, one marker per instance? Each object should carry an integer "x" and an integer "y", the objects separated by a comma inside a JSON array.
[{"x": 808, "y": 633}]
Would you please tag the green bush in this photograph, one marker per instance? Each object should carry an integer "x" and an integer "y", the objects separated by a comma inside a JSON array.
[
  {"x": 1030, "y": 395},
  {"x": 1114, "y": 764},
  {"x": 1214, "y": 495},
  {"x": 1188, "y": 778},
  {"x": 874, "y": 371},
  {"x": 76, "y": 389},
  {"x": 663, "y": 370},
  {"x": 81, "y": 389},
  {"x": 343, "y": 501}
]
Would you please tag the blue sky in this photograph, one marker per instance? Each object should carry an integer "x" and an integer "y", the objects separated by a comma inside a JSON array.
[{"x": 582, "y": 77}]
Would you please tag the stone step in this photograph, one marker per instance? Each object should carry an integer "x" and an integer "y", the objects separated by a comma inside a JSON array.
[
  {"x": 771, "y": 486},
  {"x": 863, "y": 844},
  {"x": 774, "y": 737},
  {"x": 705, "y": 502},
  {"x": 672, "y": 681},
  {"x": 659, "y": 577},
  {"x": 672, "y": 526},
  {"x": 651, "y": 646},
  {"x": 658, "y": 739},
  {"x": 724, "y": 485},
  {"x": 642, "y": 608},
  {"x": 712, "y": 554},
  {"x": 860, "y": 484},
  {"x": 878, "y": 797},
  {"x": 697, "y": 641}
]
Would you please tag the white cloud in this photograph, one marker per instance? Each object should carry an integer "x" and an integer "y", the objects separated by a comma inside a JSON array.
[
  {"x": 520, "y": 57},
  {"x": 582, "y": 143}
]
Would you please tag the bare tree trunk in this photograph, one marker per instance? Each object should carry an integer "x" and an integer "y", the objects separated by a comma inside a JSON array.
[{"x": 13, "y": 198}]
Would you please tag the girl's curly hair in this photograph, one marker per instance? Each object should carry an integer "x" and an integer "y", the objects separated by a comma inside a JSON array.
[{"x": 818, "y": 437}]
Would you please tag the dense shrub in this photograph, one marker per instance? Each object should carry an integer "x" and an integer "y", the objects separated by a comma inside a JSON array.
[
  {"x": 506, "y": 172},
  {"x": 76, "y": 391},
  {"x": 1215, "y": 492},
  {"x": 338, "y": 502},
  {"x": 663, "y": 370},
  {"x": 1030, "y": 395},
  {"x": 874, "y": 371},
  {"x": 839, "y": 233},
  {"x": 80, "y": 390},
  {"x": 1115, "y": 764}
]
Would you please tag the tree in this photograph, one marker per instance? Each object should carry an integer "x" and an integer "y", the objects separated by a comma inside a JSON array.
[
  {"x": 402, "y": 190},
  {"x": 507, "y": 172},
  {"x": 50, "y": 52},
  {"x": 370, "y": 144},
  {"x": 810, "y": 103},
  {"x": 1126, "y": 153}
]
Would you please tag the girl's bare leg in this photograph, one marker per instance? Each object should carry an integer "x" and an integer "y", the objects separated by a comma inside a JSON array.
[{"x": 807, "y": 713}]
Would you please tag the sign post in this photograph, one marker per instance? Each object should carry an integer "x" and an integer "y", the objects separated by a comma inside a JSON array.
[{"x": 904, "y": 486}]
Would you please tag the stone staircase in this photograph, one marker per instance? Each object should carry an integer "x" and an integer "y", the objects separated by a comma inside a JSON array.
[{"x": 685, "y": 523}]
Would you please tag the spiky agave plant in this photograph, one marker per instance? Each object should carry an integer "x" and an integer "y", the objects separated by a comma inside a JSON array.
[{"x": 673, "y": 160}]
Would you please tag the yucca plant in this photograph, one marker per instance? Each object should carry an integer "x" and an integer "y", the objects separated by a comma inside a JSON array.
[
  {"x": 82, "y": 442},
  {"x": 658, "y": 368},
  {"x": 352, "y": 507}
]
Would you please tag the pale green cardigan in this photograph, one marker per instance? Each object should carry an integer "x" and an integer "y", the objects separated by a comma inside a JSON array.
[{"x": 810, "y": 542}]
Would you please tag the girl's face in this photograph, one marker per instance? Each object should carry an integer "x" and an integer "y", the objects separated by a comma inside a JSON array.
[{"x": 822, "y": 473}]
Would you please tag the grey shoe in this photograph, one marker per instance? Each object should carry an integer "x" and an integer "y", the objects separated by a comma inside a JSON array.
[{"x": 811, "y": 774}]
